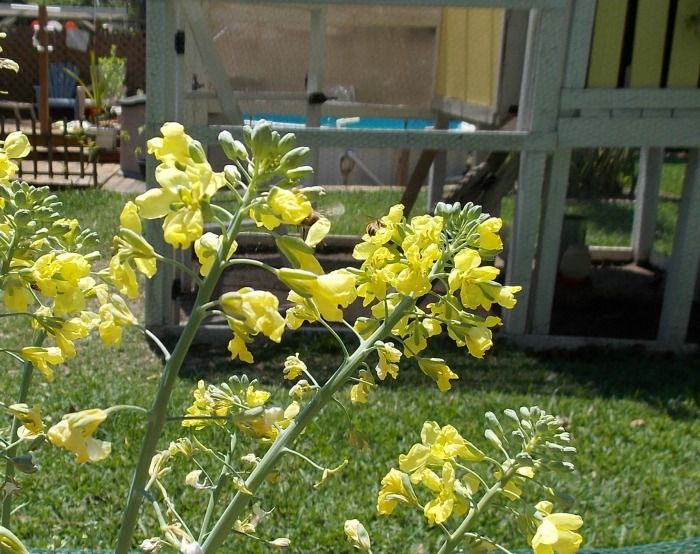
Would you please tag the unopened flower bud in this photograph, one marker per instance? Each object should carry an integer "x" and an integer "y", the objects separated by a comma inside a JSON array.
[
  {"x": 357, "y": 535},
  {"x": 281, "y": 542}
]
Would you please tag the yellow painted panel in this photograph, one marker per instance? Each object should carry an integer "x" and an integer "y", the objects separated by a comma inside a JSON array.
[
  {"x": 608, "y": 32},
  {"x": 649, "y": 40},
  {"x": 483, "y": 53},
  {"x": 684, "y": 69},
  {"x": 450, "y": 73},
  {"x": 469, "y": 54}
]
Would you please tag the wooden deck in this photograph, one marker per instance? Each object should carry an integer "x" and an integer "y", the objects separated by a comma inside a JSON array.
[{"x": 109, "y": 176}]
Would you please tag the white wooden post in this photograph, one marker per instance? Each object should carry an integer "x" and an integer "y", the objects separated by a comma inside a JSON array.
[
  {"x": 550, "y": 239},
  {"x": 646, "y": 202},
  {"x": 557, "y": 182},
  {"x": 685, "y": 257},
  {"x": 314, "y": 79},
  {"x": 161, "y": 96},
  {"x": 538, "y": 110}
]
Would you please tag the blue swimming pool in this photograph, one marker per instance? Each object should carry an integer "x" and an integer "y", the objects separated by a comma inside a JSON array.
[{"x": 353, "y": 123}]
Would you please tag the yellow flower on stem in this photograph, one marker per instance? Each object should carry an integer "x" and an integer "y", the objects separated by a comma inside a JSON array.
[
  {"x": 438, "y": 445},
  {"x": 467, "y": 274},
  {"x": 114, "y": 316},
  {"x": 445, "y": 501},
  {"x": 330, "y": 292},
  {"x": 389, "y": 357},
  {"x": 41, "y": 357},
  {"x": 293, "y": 367},
  {"x": 438, "y": 371},
  {"x": 281, "y": 207},
  {"x": 31, "y": 419},
  {"x": 395, "y": 489},
  {"x": 488, "y": 234},
  {"x": 129, "y": 218},
  {"x": 74, "y": 433},
  {"x": 206, "y": 248},
  {"x": 17, "y": 297},
  {"x": 556, "y": 532},
  {"x": 181, "y": 198},
  {"x": 359, "y": 392},
  {"x": 16, "y": 145}
]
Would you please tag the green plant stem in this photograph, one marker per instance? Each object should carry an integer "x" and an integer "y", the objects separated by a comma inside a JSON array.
[
  {"x": 325, "y": 395},
  {"x": 25, "y": 383},
  {"x": 158, "y": 414},
  {"x": 454, "y": 539},
  {"x": 175, "y": 263},
  {"x": 213, "y": 499}
]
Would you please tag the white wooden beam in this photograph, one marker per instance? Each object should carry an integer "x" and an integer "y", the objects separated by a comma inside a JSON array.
[
  {"x": 201, "y": 34},
  {"x": 550, "y": 239},
  {"x": 557, "y": 182},
  {"x": 685, "y": 259},
  {"x": 669, "y": 132},
  {"x": 646, "y": 202},
  {"x": 543, "y": 77},
  {"x": 511, "y": 4},
  {"x": 314, "y": 77},
  {"x": 160, "y": 107},
  {"x": 580, "y": 98},
  {"x": 379, "y": 138}
]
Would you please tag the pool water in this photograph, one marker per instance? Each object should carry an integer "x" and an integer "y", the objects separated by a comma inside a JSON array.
[{"x": 355, "y": 123}]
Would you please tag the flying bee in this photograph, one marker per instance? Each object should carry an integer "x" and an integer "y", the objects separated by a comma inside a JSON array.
[
  {"x": 312, "y": 218},
  {"x": 374, "y": 226}
]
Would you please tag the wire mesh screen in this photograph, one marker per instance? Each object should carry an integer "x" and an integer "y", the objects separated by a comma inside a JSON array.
[
  {"x": 18, "y": 46},
  {"x": 375, "y": 55}
]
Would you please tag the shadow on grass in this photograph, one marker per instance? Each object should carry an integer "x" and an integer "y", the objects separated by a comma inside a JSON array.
[{"x": 665, "y": 381}]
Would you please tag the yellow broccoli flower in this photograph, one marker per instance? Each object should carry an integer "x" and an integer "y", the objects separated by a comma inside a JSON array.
[
  {"x": 74, "y": 433},
  {"x": 556, "y": 532},
  {"x": 394, "y": 490},
  {"x": 438, "y": 371},
  {"x": 438, "y": 445},
  {"x": 445, "y": 502},
  {"x": 206, "y": 248},
  {"x": 41, "y": 357},
  {"x": 281, "y": 207},
  {"x": 488, "y": 234},
  {"x": 389, "y": 357},
  {"x": 359, "y": 393},
  {"x": 293, "y": 367}
]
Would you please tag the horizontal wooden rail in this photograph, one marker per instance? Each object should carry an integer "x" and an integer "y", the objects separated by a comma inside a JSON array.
[
  {"x": 580, "y": 132},
  {"x": 512, "y": 4},
  {"x": 427, "y": 140},
  {"x": 638, "y": 98}
]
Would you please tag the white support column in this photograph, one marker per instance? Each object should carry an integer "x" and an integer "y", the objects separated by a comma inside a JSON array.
[
  {"x": 314, "y": 78},
  {"x": 524, "y": 236},
  {"x": 550, "y": 238},
  {"x": 685, "y": 259},
  {"x": 216, "y": 73},
  {"x": 543, "y": 75},
  {"x": 646, "y": 202},
  {"x": 582, "y": 21},
  {"x": 161, "y": 97}
]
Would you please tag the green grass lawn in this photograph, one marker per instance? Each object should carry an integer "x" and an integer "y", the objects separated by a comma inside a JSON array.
[{"x": 635, "y": 420}]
